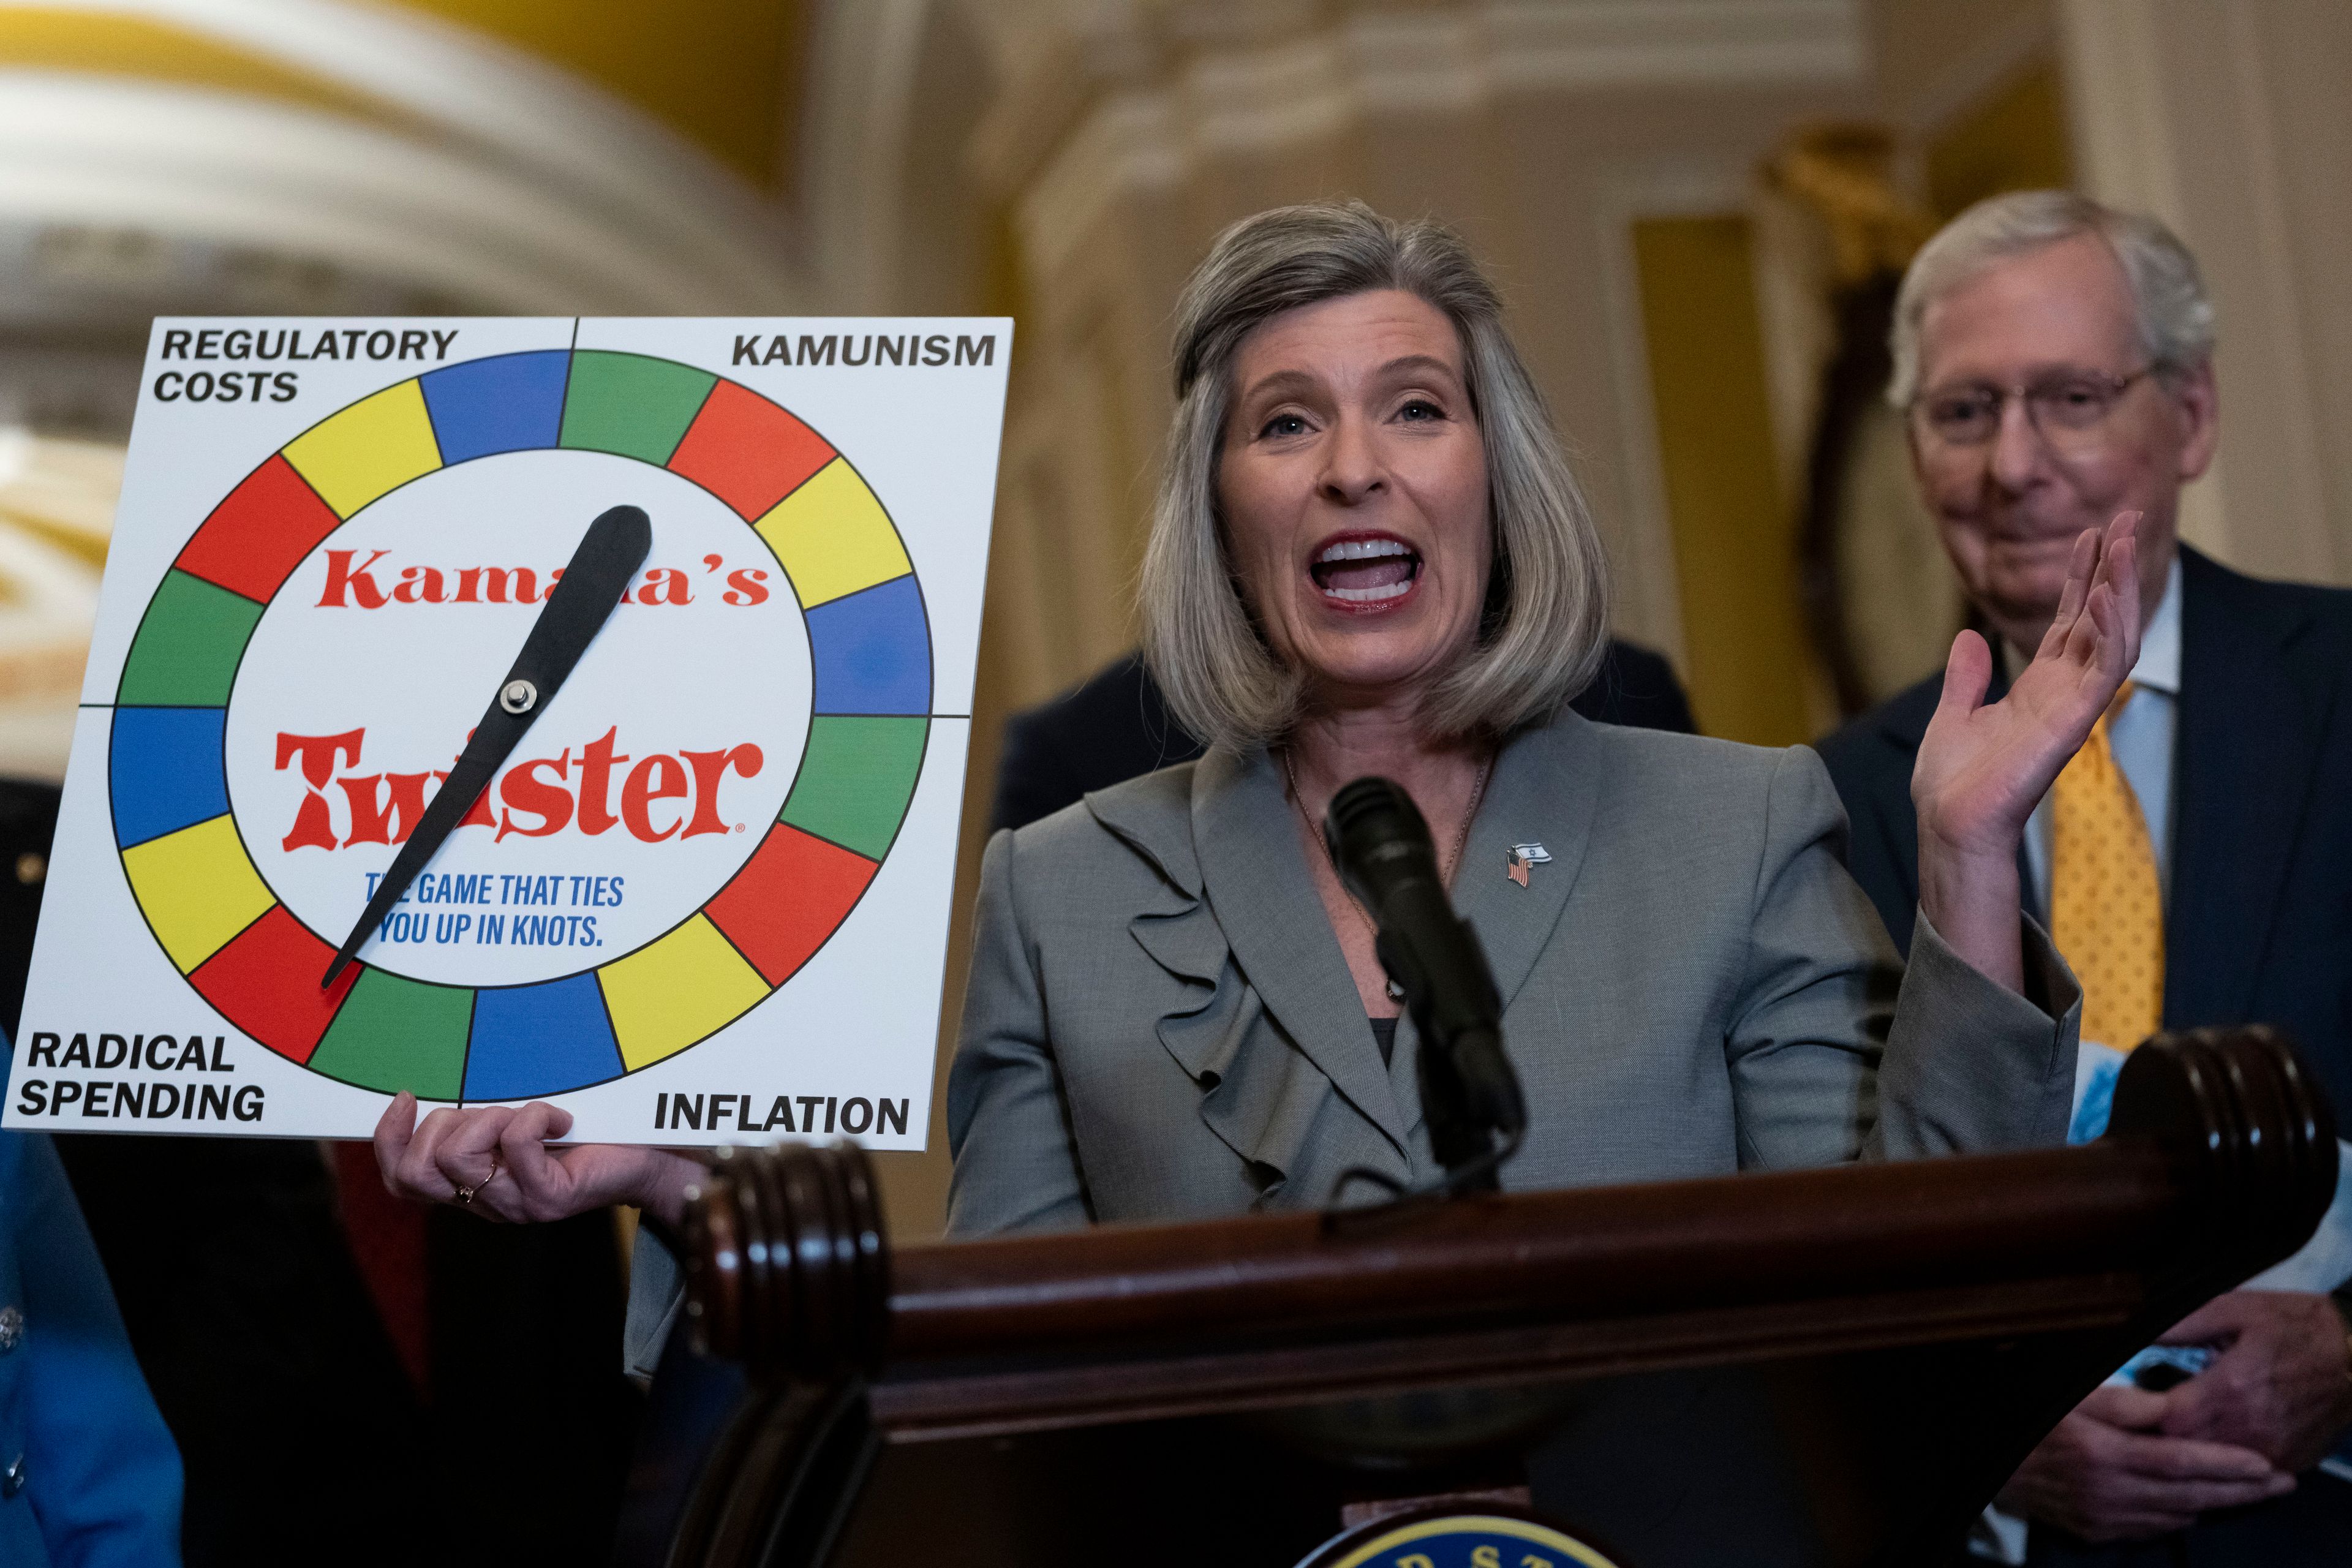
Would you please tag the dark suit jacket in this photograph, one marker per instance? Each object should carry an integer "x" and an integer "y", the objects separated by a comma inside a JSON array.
[
  {"x": 1117, "y": 727},
  {"x": 2259, "y": 927}
]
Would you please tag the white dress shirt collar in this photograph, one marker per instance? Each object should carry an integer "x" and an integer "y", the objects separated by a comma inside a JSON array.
[{"x": 2159, "y": 669}]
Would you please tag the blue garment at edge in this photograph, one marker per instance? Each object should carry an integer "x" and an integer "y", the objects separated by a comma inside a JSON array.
[{"x": 89, "y": 1475}]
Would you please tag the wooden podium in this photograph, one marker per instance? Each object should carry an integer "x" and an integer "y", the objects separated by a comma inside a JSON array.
[{"x": 1834, "y": 1367}]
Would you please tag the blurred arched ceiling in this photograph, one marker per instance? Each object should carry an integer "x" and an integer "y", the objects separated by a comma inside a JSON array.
[
  {"x": 344, "y": 157},
  {"x": 721, "y": 74},
  {"x": 724, "y": 74},
  {"x": 322, "y": 155}
]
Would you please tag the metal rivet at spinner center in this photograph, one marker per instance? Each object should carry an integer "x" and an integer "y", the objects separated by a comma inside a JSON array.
[{"x": 517, "y": 696}]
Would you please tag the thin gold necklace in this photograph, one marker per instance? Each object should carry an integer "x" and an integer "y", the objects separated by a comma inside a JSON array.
[{"x": 1444, "y": 872}]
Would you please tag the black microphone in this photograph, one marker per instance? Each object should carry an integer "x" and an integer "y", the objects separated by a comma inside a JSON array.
[{"x": 1381, "y": 849}]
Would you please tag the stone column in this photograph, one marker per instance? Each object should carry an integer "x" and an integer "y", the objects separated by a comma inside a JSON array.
[{"x": 2229, "y": 121}]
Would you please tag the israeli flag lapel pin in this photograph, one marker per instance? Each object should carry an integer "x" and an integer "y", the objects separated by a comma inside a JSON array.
[{"x": 1522, "y": 855}]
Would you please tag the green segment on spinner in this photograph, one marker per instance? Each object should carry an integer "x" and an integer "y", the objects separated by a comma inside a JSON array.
[
  {"x": 212, "y": 910},
  {"x": 394, "y": 1033},
  {"x": 632, "y": 405},
  {"x": 855, "y": 779},
  {"x": 187, "y": 650}
]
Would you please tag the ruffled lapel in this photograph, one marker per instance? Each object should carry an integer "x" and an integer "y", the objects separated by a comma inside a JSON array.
[
  {"x": 1237, "y": 920},
  {"x": 1255, "y": 880},
  {"x": 1260, "y": 1097}
]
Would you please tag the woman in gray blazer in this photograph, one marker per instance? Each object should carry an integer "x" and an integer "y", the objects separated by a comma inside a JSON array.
[{"x": 1369, "y": 556}]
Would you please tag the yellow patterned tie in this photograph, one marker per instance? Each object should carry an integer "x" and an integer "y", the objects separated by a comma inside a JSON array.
[{"x": 2107, "y": 909}]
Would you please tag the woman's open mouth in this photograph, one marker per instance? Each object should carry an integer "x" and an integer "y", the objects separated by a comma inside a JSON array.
[{"x": 1366, "y": 571}]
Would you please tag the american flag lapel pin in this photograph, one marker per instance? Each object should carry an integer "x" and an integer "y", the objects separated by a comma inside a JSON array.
[{"x": 1522, "y": 856}]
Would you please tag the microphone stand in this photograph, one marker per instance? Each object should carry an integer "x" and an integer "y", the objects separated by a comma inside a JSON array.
[
  {"x": 1461, "y": 1124},
  {"x": 1469, "y": 1091}
]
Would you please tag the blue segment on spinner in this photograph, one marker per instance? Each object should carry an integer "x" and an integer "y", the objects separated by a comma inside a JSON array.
[
  {"x": 531, "y": 1040},
  {"x": 872, "y": 651},
  {"x": 509, "y": 403},
  {"x": 165, "y": 769}
]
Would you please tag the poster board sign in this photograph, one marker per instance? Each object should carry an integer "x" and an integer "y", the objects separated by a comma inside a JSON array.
[{"x": 706, "y": 897}]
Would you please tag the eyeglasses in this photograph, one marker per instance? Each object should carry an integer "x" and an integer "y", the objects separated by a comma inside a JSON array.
[{"x": 2066, "y": 409}]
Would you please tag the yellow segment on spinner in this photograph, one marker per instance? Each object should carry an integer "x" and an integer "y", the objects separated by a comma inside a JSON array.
[
  {"x": 377, "y": 444},
  {"x": 198, "y": 887},
  {"x": 665, "y": 996},
  {"x": 833, "y": 537}
]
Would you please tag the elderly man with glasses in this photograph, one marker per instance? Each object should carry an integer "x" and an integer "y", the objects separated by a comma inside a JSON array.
[{"x": 2193, "y": 863}]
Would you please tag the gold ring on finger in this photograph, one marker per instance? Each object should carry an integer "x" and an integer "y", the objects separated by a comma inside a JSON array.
[{"x": 465, "y": 1195}]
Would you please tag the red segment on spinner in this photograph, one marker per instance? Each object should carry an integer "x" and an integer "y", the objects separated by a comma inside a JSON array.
[
  {"x": 792, "y": 894},
  {"x": 747, "y": 451},
  {"x": 265, "y": 982},
  {"x": 260, "y": 532}
]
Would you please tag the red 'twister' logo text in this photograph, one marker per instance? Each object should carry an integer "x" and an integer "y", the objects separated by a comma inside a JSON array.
[{"x": 536, "y": 798}]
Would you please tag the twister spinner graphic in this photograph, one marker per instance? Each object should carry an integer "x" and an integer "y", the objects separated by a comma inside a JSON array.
[{"x": 604, "y": 907}]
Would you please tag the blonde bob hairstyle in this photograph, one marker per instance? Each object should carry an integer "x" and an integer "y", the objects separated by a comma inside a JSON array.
[{"x": 1545, "y": 623}]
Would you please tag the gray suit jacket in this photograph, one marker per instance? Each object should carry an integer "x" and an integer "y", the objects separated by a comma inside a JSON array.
[{"x": 1160, "y": 1024}]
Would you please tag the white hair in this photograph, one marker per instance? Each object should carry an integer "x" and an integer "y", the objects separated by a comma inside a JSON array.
[
  {"x": 1545, "y": 624},
  {"x": 2170, "y": 312}
]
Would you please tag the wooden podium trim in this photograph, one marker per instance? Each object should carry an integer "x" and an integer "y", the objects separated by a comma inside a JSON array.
[
  {"x": 1044, "y": 1396},
  {"x": 1563, "y": 1255},
  {"x": 1933, "y": 1319}
]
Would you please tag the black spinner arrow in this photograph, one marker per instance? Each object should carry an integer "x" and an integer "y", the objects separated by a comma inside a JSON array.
[{"x": 599, "y": 573}]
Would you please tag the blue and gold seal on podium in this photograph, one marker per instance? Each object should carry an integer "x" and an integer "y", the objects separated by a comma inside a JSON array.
[{"x": 1449, "y": 1540}]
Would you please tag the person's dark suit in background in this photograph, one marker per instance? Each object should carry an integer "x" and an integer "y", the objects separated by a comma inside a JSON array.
[
  {"x": 1117, "y": 727},
  {"x": 298, "y": 1421},
  {"x": 2050, "y": 384},
  {"x": 2258, "y": 924}
]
